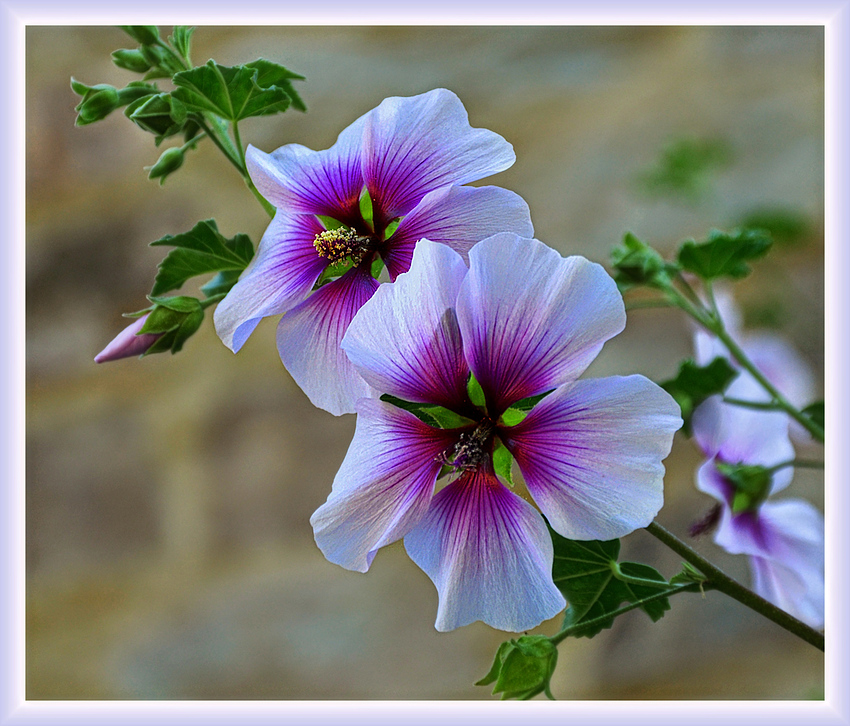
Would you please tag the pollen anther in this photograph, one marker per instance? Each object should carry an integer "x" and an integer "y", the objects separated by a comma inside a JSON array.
[{"x": 337, "y": 244}]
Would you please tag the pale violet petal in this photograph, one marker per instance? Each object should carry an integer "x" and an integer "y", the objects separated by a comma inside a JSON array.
[
  {"x": 417, "y": 144},
  {"x": 405, "y": 340},
  {"x": 382, "y": 488},
  {"x": 532, "y": 320},
  {"x": 591, "y": 455},
  {"x": 279, "y": 277},
  {"x": 458, "y": 217},
  {"x": 308, "y": 338},
  {"x": 297, "y": 179},
  {"x": 489, "y": 555}
]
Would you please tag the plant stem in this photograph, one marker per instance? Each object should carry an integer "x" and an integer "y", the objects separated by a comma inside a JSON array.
[
  {"x": 757, "y": 405},
  {"x": 585, "y": 624},
  {"x": 719, "y": 580}
]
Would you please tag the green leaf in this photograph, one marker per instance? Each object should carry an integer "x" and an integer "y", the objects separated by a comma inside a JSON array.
[
  {"x": 685, "y": 167},
  {"x": 175, "y": 320},
  {"x": 200, "y": 251},
  {"x": 526, "y": 404},
  {"x": 366, "y": 207},
  {"x": 512, "y": 416},
  {"x": 636, "y": 263},
  {"x": 724, "y": 254},
  {"x": 693, "y": 384},
  {"x": 272, "y": 74},
  {"x": 815, "y": 412},
  {"x": 445, "y": 418},
  {"x": 523, "y": 667},
  {"x": 146, "y": 34},
  {"x": 231, "y": 93},
  {"x": 592, "y": 582},
  {"x": 221, "y": 283},
  {"x": 181, "y": 39}
]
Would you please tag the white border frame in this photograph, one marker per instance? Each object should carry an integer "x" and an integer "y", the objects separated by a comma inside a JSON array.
[{"x": 833, "y": 15}]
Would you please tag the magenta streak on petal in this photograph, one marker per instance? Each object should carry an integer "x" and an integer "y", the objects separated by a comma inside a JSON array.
[
  {"x": 383, "y": 487},
  {"x": 489, "y": 555},
  {"x": 309, "y": 336},
  {"x": 279, "y": 277}
]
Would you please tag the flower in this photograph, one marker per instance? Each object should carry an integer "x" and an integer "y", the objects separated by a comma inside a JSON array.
[
  {"x": 525, "y": 322},
  {"x": 128, "y": 342},
  {"x": 411, "y": 155},
  {"x": 784, "y": 540}
]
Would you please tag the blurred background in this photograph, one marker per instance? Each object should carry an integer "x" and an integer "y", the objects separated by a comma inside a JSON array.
[{"x": 169, "y": 552}]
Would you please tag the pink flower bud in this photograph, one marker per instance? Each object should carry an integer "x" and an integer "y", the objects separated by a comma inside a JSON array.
[{"x": 128, "y": 342}]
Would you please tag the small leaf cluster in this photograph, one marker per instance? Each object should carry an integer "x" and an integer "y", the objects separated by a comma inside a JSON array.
[
  {"x": 205, "y": 101},
  {"x": 174, "y": 319},
  {"x": 720, "y": 254}
]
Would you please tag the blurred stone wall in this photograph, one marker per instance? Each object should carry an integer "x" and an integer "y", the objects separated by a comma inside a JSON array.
[{"x": 169, "y": 553}]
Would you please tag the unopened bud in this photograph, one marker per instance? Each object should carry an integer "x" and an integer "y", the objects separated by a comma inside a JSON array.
[
  {"x": 170, "y": 161},
  {"x": 98, "y": 102},
  {"x": 142, "y": 33},
  {"x": 131, "y": 60},
  {"x": 128, "y": 343}
]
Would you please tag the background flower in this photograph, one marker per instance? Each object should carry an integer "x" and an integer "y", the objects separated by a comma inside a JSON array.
[
  {"x": 391, "y": 178},
  {"x": 524, "y": 321}
]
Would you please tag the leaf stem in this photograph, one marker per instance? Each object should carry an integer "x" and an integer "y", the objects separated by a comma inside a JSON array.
[
  {"x": 585, "y": 624},
  {"x": 719, "y": 580}
]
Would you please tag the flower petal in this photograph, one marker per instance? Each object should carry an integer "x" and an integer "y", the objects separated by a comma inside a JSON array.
[
  {"x": 458, "y": 217},
  {"x": 300, "y": 180},
  {"x": 308, "y": 339},
  {"x": 532, "y": 320},
  {"x": 405, "y": 340},
  {"x": 279, "y": 277},
  {"x": 785, "y": 541},
  {"x": 383, "y": 487},
  {"x": 591, "y": 455},
  {"x": 412, "y": 146},
  {"x": 488, "y": 553},
  {"x": 128, "y": 342}
]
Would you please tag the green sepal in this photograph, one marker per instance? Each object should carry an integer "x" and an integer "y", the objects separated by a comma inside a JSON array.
[
  {"x": 523, "y": 667},
  {"x": 475, "y": 392},
  {"x": 588, "y": 575},
  {"x": 146, "y": 34},
  {"x": 724, "y": 254},
  {"x": 333, "y": 271},
  {"x": 512, "y": 416},
  {"x": 366, "y": 208},
  {"x": 815, "y": 412},
  {"x": 526, "y": 404},
  {"x": 688, "y": 574},
  {"x": 135, "y": 90},
  {"x": 176, "y": 303},
  {"x": 503, "y": 462},
  {"x": 391, "y": 227},
  {"x": 693, "y": 384},
  {"x": 198, "y": 252},
  {"x": 174, "y": 319},
  {"x": 637, "y": 263},
  {"x": 751, "y": 483},
  {"x": 232, "y": 93},
  {"x": 377, "y": 267},
  {"x": 131, "y": 60}
]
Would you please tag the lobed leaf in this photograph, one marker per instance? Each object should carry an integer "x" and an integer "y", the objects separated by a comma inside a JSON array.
[{"x": 724, "y": 254}]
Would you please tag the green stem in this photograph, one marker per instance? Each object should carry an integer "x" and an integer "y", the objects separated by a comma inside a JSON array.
[
  {"x": 719, "y": 580},
  {"x": 797, "y": 464},
  {"x": 585, "y": 624},
  {"x": 641, "y": 581},
  {"x": 212, "y": 299},
  {"x": 757, "y": 405},
  {"x": 780, "y": 400},
  {"x": 270, "y": 210},
  {"x": 202, "y": 122}
]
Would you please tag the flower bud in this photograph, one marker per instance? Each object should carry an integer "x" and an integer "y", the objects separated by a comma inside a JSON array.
[
  {"x": 159, "y": 114},
  {"x": 142, "y": 33},
  {"x": 128, "y": 342},
  {"x": 170, "y": 161},
  {"x": 98, "y": 102},
  {"x": 130, "y": 60}
]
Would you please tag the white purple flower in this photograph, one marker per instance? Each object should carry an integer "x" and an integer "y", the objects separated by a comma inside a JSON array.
[
  {"x": 411, "y": 156},
  {"x": 128, "y": 342},
  {"x": 784, "y": 539},
  {"x": 525, "y": 322}
]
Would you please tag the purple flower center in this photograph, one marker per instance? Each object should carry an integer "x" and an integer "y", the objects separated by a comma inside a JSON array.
[{"x": 471, "y": 448}]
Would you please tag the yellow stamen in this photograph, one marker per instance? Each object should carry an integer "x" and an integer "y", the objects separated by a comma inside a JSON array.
[{"x": 337, "y": 244}]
